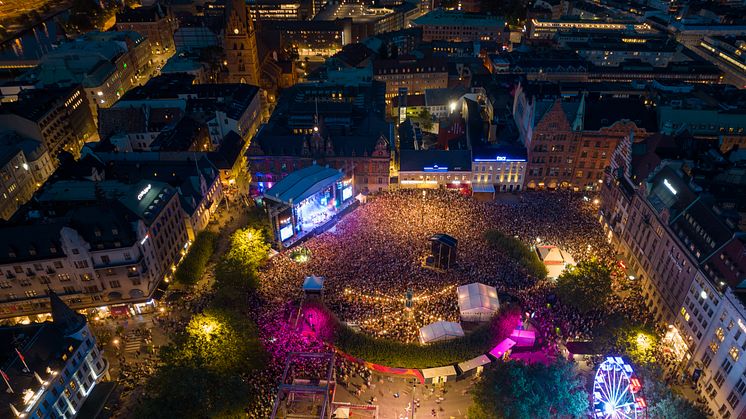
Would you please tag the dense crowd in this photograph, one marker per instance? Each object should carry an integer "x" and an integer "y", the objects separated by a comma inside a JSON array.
[{"x": 374, "y": 256}]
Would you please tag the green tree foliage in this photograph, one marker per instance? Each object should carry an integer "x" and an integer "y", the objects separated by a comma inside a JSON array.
[
  {"x": 639, "y": 343},
  {"x": 219, "y": 339},
  {"x": 248, "y": 251},
  {"x": 518, "y": 251},
  {"x": 186, "y": 391},
  {"x": 585, "y": 286},
  {"x": 663, "y": 402},
  {"x": 514, "y": 390},
  {"x": 201, "y": 376},
  {"x": 193, "y": 266}
]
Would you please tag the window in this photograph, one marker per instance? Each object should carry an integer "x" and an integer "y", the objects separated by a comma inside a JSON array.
[
  {"x": 733, "y": 399},
  {"x": 726, "y": 366},
  {"x": 58, "y": 264},
  {"x": 114, "y": 284},
  {"x": 720, "y": 333},
  {"x": 5, "y": 284},
  {"x": 734, "y": 353},
  {"x": 741, "y": 386},
  {"x": 105, "y": 259},
  {"x": 31, "y": 293},
  {"x": 706, "y": 360},
  {"x": 719, "y": 378}
]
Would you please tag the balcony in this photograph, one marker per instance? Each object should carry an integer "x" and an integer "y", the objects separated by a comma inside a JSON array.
[{"x": 119, "y": 264}]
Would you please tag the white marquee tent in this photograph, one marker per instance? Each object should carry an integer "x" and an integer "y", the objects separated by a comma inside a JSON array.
[
  {"x": 439, "y": 331},
  {"x": 477, "y": 302}
]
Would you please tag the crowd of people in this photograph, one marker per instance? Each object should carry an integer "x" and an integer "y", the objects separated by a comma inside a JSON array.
[{"x": 372, "y": 258}]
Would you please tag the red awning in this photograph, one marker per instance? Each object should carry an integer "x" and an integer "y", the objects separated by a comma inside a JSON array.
[{"x": 119, "y": 311}]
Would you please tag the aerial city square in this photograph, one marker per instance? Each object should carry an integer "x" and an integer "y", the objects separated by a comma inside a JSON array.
[{"x": 389, "y": 209}]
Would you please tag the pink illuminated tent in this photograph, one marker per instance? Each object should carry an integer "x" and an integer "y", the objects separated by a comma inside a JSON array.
[
  {"x": 523, "y": 337},
  {"x": 498, "y": 351}
]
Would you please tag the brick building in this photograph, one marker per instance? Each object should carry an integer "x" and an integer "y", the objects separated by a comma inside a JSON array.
[{"x": 569, "y": 141}]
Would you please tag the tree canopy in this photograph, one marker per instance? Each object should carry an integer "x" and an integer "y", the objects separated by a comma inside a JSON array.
[
  {"x": 663, "y": 402},
  {"x": 193, "y": 266},
  {"x": 585, "y": 286},
  {"x": 515, "y": 390},
  {"x": 517, "y": 250},
  {"x": 248, "y": 251}
]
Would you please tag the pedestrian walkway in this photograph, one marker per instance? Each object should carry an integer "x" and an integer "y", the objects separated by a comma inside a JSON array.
[{"x": 132, "y": 343}]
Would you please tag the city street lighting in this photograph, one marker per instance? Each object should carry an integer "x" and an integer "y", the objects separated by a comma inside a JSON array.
[{"x": 452, "y": 106}]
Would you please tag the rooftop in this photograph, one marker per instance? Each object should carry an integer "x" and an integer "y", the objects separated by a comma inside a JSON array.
[
  {"x": 441, "y": 17},
  {"x": 302, "y": 184},
  {"x": 435, "y": 160}
]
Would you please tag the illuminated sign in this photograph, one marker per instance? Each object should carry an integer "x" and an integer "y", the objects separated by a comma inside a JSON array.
[
  {"x": 436, "y": 168},
  {"x": 347, "y": 193},
  {"x": 144, "y": 192},
  {"x": 144, "y": 239},
  {"x": 741, "y": 325},
  {"x": 500, "y": 158},
  {"x": 669, "y": 186},
  {"x": 286, "y": 232}
]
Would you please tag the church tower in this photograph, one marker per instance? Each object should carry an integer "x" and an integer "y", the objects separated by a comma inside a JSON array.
[{"x": 239, "y": 44}]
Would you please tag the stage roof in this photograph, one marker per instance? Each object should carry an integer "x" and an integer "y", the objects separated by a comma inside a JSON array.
[{"x": 302, "y": 184}]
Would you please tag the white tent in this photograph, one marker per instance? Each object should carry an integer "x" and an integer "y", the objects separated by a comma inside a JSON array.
[
  {"x": 477, "y": 302},
  {"x": 555, "y": 260},
  {"x": 438, "y": 331}
]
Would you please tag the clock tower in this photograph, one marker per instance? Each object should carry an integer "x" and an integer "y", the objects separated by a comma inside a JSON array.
[{"x": 239, "y": 44}]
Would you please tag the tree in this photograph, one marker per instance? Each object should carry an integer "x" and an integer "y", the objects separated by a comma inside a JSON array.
[
  {"x": 585, "y": 286},
  {"x": 185, "y": 391},
  {"x": 514, "y": 390},
  {"x": 663, "y": 402},
  {"x": 518, "y": 251},
  {"x": 425, "y": 118},
  {"x": 248, "y": 251},
  {"x": 190, "y": 270}
]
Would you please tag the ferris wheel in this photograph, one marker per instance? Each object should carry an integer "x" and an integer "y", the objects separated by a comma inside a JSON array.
[{"x": 616, "y": 391}]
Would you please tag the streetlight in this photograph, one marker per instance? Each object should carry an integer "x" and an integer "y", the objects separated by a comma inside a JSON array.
[{"x": 452, "y": 106}]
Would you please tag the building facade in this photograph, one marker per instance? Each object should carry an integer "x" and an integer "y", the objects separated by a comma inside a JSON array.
[
  {"x": 239, "y": 44},
  {"x": 416, "y": 75},
  {"x": 59, "y": 118},
  {"x": 690, "y": 260},
  {"x": 101, "y": 243},
  {"x": 569, "y": 142},
  {"x": 444, "y": 25},
  {"x": 498, "y": 170},
  {"x": 67, "y": 365},
  {"x": 155, "y": 22}
]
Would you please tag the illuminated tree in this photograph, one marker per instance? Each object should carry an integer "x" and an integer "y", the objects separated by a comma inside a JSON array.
[
  {"x": 585, "y": 286},
  {"x": 248, "y": 251},
  {"x": 219, "y": 339}
]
